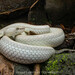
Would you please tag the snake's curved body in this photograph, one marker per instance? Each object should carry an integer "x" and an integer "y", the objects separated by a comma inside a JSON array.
[
  {"x": 54, "y": 38},
  {"x": 31, "y": 48},
  {"x": 37, "y": 29}
]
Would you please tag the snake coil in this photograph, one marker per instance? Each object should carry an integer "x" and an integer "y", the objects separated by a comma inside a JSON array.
[{"x": 28, "y": 49}]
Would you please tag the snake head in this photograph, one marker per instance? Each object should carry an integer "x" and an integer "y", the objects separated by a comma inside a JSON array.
[
  {"x": 14, "y": 31},
  {"x": 1, "y": 33},
  {"x": 19, "y": 30}
]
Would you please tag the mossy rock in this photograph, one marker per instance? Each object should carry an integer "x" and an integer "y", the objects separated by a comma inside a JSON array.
[{"x": 61, "y": 64}]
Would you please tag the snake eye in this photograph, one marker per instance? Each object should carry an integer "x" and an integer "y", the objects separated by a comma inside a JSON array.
[
  {"x": 17, "y": 28},
  {"x": 20, "y": 28}
]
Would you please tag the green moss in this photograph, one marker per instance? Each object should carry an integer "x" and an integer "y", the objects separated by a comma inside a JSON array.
[
  {"x": 58, "y": 64},
  {"x": 52, "y": 66}
]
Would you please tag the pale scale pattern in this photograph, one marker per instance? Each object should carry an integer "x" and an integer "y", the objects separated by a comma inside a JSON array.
[
  {"x": 22, "y": 53},
  {"x": 28, "y": 54}
]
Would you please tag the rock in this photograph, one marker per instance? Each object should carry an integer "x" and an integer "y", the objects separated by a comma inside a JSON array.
[
  {"x": 61, "y": 64},
  {"x": 54, "y": 7},
  {"x": 58, "y": 10},
  {"x": 35, "y": 19},
  {"x": 37, "y": 14},
  {"x": 14, "y": 8},
  {"x": 7, "y": 6},
  {"x": 22, "y": 70}
]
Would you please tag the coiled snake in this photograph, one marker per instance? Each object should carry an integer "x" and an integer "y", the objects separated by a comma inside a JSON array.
[{"x": 28, "y": 49}]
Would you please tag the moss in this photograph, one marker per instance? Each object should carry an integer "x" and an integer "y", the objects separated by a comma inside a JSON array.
[
  {"x": 52, "y": 65},
  {"x": 58, "y": 64}
]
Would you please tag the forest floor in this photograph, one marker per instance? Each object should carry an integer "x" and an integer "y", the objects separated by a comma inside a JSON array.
[{"x": 68, "y": 43}]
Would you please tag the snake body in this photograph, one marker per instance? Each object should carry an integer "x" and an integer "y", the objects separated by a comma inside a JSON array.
[{"x": 31, "y": 48}]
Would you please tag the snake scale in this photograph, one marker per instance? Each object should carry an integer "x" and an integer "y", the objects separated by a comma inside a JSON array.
[{"x": 28, "y": 49}]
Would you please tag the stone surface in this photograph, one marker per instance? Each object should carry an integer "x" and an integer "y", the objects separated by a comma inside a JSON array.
[
  {"x": 14, "y": 8},
  {"x": 37, "y": 14},
  {"x": 22, "y": 70},
  {"x": 7, "y": 6},
  {"x": 60, "y": 10},
  {"x": 61, "y": 64}
]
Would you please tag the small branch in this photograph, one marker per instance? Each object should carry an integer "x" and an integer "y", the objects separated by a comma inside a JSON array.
[
  {"x": 34, "y": 4},
  {"x": 37, "y": 69},
  {"x": 8, "y": 12}
]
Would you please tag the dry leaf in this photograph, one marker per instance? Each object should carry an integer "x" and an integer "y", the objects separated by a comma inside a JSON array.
[
  {"x": 73, "y": 29},
  {"x": 6, "y": 67},
  {"x": 62, "y": 26}
]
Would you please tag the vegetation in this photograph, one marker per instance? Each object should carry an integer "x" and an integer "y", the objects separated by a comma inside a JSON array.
[{"x": 59, "y": 64}]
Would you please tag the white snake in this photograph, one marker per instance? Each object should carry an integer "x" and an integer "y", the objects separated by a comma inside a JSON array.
[{"x": 28, "y": 49}]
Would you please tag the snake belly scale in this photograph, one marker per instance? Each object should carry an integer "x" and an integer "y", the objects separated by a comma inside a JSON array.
[{"x": 30, "y": 49}]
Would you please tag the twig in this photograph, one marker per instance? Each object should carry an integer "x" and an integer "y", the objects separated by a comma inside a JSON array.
[
  {"x": 37, "y": 69},
  {"x": 34, "y": 4}
]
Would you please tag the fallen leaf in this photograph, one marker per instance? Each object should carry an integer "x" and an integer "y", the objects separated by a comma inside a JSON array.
[
  {"x": 73, "y": 29},
  {"x": 6, "y": 66}
]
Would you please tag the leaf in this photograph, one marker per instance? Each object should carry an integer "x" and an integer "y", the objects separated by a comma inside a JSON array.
[
  {"x": 6, "y": 67},
  {"x": 73, "y": 29}
]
